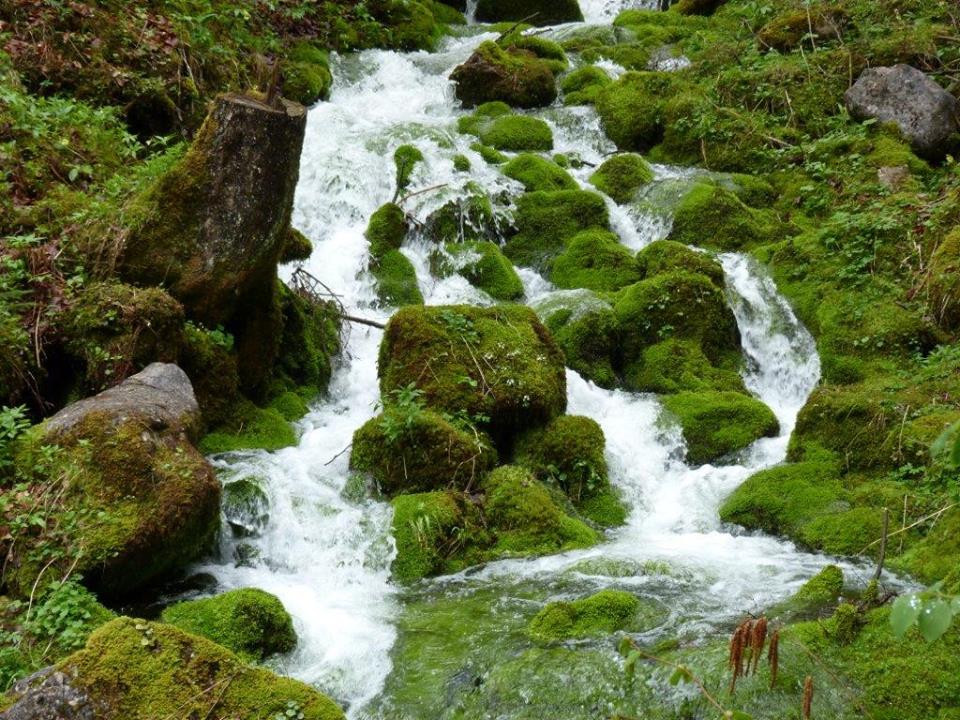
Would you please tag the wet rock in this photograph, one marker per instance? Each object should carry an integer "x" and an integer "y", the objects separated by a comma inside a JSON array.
[
  {"x": 48, "y": 695},
  {"x": 926, "y": 114},
  {"x": 518, "y": 78}
]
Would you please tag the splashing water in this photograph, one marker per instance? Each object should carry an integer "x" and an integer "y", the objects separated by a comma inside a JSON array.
[{"x": 326, "y": 551}]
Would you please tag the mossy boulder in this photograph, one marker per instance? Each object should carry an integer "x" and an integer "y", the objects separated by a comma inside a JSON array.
[
  {"x": 604, "y": 612},
  {"x": 631, "y": 108},
  {"x": 696, "y": 7},
  {"x": 467, "y": 217},
  {"x": 674, "y": 365},
  {"x": 406, "y": 158},
  {"x": 587, "y": 331},
  {"x": 547, "y": 220},
  {"x": 309, "y": 344},
  {"x": 135, "y": 500},
  {"x": 676, "y": 304},
  {"x": 412, "y": 24},
  {"x": 307, "y": 81},
  {"x": 536, "y": 12},
  {"x": 138, "y": 669},
  {"x": 527, "y": 519},
  {"x": 594, "y": 260},
  {"x": 409, "y": 449},
  {"x": 538, "y": 173},
  {"x": 718, "y": 423},
  {"x": 547, "y": 50},
  {"x": 245, "y": 506},
  {"x": 386, "y": 230},
  {"x": 248, "y": 426},
  {"x": 944, "y": 282},
  {"x": 621, "y": 176},
  {"x": 250, "y": 622},
  {"x": 570, "y": 453},
  {"x": 822, "y": 589},
  {"x": 711, "y": 216},
  {"x": 516, "y": 133},
  {"x": 583, "y": 85},
  {"x": 484, "y": 266},
  {"x": 396, "y": 280},
  {"x": 665, "y": 255},
  {"x": 518, "y": 78},
  {"x": 297, "y": 247},
  {"x": 499, "y": 366}
]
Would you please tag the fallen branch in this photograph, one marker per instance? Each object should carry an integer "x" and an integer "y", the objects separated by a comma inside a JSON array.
[
  {"x": 362, "y": 321},
  {"x": 935, "y": 514}
]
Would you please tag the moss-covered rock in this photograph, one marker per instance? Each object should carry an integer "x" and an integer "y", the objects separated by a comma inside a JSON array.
[
  {"x": 604, "y": 612},
  {"x": 409, "y": 449},
  {"x": 138, "y": 669},
  {"x": 822, "y": 589},
  {"x": 498, "y": 366},
  {"x": 386, "y": 230},
  {"x": 537, "y": 173},
  {"x": 675, "y": 365},
  {"x": 309, "y": 344},
  {"x": 712, "y": 216},
  {"x": 248, "y": 426},
  {"x": 570, "y": 452},
  {"x": 621, "y": 176},
  {"x": 631, "y": 108},
  {"x": 527, "y": 520},
  {"x": 696, "y": 7},
  {"x": 412, "y": 24},
  {"x": 396, "y": 280},
  {"x": 516, "y": 133},
  {"x": 297, "y": 247},
  {"x": 594, "y": 260},
  {"x": 406, "y": 158},
  {"x": 307, "y": 81},
  {"x": 944, "y": 282},
  {"x": 466, "y": 218},
  {"x": 250, "y": 622},
  {"x": 428, "y": 529},
  {"x": 583, "y": 85},
  {"x": 718, "y": 423},
  {"x": 546, "y": 220},
  {"x": 518, "y": 78},
  {"x": 587, "y": 331},
  {"x": 484, "y": 266},
  {"x": 665, "y": 255},
  {"x": 788, "y": 30},
  {"x": 536, "y": 12}
]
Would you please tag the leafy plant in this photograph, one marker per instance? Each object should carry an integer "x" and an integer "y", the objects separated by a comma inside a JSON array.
[
  {"x": 932, "y": 611},
  {"x": 402, "y": 410}
]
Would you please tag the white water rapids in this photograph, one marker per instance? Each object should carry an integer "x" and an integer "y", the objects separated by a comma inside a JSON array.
[{"x": 327, "y": 554}]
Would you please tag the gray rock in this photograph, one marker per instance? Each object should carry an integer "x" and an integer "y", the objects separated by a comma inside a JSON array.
[
  {"x": 926, "y": 114},
  {"x": 161, "y": 394},
  {"x": 48, "y": 695}
]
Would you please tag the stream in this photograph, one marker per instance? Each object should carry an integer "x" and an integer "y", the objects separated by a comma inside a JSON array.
[{"x": 383, "y": 651}]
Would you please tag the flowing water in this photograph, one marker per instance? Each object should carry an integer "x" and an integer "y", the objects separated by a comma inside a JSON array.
[{"x": 325, "y": 549}]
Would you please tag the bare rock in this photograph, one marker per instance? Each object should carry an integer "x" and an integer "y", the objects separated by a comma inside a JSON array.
[
  {"x": 926, "y": 114},
  {"x": 48, "y": 695}
]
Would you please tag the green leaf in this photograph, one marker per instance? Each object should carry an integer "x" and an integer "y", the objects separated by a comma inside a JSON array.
[
  {"x": 738, "y": 715},
  {"x": 955, "y": 605},
  {"x": 934, "y": 620},
  {"x": 905, "y": 611}
]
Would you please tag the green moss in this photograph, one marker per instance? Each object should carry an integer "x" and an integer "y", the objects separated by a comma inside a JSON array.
[
  {"x": 414, "y": 450},
  {"x": 631, "y": 108},
  {"x": 711, "y": 216},
  {"x": 137, "y": 669},
  {"x": 250, "y": 622},
  {"x": 621, "y": 176},
  {"x": 308, "y": 345},
  {"x": 537, "y": 173},
  {"x": 850, "y": 532},
  {"x": 583, "y": 85},
  {"x": 306, "y": 83},
  {"x": 490, "y": 155},
  {"x": 245, "y": 506},
  {"x": 696, "y": 7},
  {"x": 789, "y": 30},
  {"x": 423, "y": 525},
  {"x": 674, "y": 365},
  {"x": 485, "y": 267},
  {"x": 604, "y": 612},
  {"x": 595, "y": 260},
  {"x": 212, "y": 369},
  {"x": 412, "y": 25},
  {"x": 944, "y": 282},
  {"x": 396, "y": 280},
  {"x": 526, "y": 519},
  {"x": 587, "y": 331},
  {"x": 546, "y": 220},
  {"x": 717, "y": 423},
  {"x": 518, "y": 78},
  {"x": 517, "y": 133},
  {"x": 447, "y": 15},
  {"x": 406, "y": 158},
  {"x": 937, "y": 556},
  {"x": 539, "y": 12},
  {"x": 249, "y": 427},
  {"x": 438, "y": 350},
  {"x": 467, "y": 218},
  {"x": 461, "y": 163},
  {"x": 548, "y": 50},
  {"x": 297, "y": 247},
  {"x": 676, "y": 304},
  {"x": 386, "y": 230},
  {"x": 824, "y": 588}
]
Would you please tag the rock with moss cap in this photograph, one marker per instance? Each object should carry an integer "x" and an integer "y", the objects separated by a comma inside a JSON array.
[
  {"x": 142, "y": 501},
  {"x": 517, "y": 133},
  {"x": 250, "y": 622},
  {"x": 944, "y": 281},
  {"x": 306, "y": 74},
  {"x": 595, "y": 260},
  {"x": 621, "y": 176},
  {"x": 483, "y": 265},
  {"x": 518, "y": 78},
  {"x": 822, "y": 589},
  {"x": 675, "y": 365},
  {"x": 536, "y": 12},
  {"x": 138, "y": 669},
  {"x": 396, "y": 280},
  {"x": 538, "y": 173},
  {"x": 711, "y": 216},
  {"x": 297, "y": 247},
  {"x": 604, "y": 612},
  {"x": 411, "y": 449},
  {"x": 545, "y": 221},
  {"x": 665, "y": 255},
  {"x": 406, "y": 158},
  {"x": 386, "y": 230},
  {"x": 583, "y": 85},
  {"x": 587, "y": 331},
  {"x": 718, "y": 423},
  {"x": 631, "y": 108},
  {"x": 498, "y": 366}
]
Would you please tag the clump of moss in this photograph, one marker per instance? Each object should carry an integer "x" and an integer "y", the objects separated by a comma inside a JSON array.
[
  {"x": 587, "y": 331},
  {"x": 696, "y": 7},
  {"x": 396, "y": 280},
  {"x": 517, "y": 133},
  {"x": 547, "y": 50},
  {"x": 493, "y": 73},
  {"x": 490, "y": 155},
  {"x": 711, "y": 216},
  {"x": 604, "y": 612},
  {"x": 297, "y": 247},
  {"x": 248, "y": 426},
  {"x": 250, "y": 622},
  {"x": 440, "y": 350},
  {"x": 539, "y": 12},
  {"x": 425, "y": 528},
  {"x": 526, "y": 518},
  {"x": 406, "y": 158},
  {"x": 306, "y": 74},
  {"x": 944, "y": 282},
  {"x": 675, "y": 365},
  {"x": 621, "y": 176},
  {"x": 468, "y": 217},
  {"x": 583, "y": 85},
  {"x": 631, "y": 108},
  {"x": 546, "y": 220},
  {"x": 485, "y": 267},
  {"x": 386, "y": 230},
  {"x": 787, "y": 31},
  {"x": 822, "y": 589},
  {"x": 409, "y": 449},
  {"x": 537, "y": 173},
  {"x": 718, "y": 423},
  {"x": 665, "y": 255},
  {"x": 136, "y": 668},
  {"x": 595, "y": 260},
  {"x": 461, "y": 163}
]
